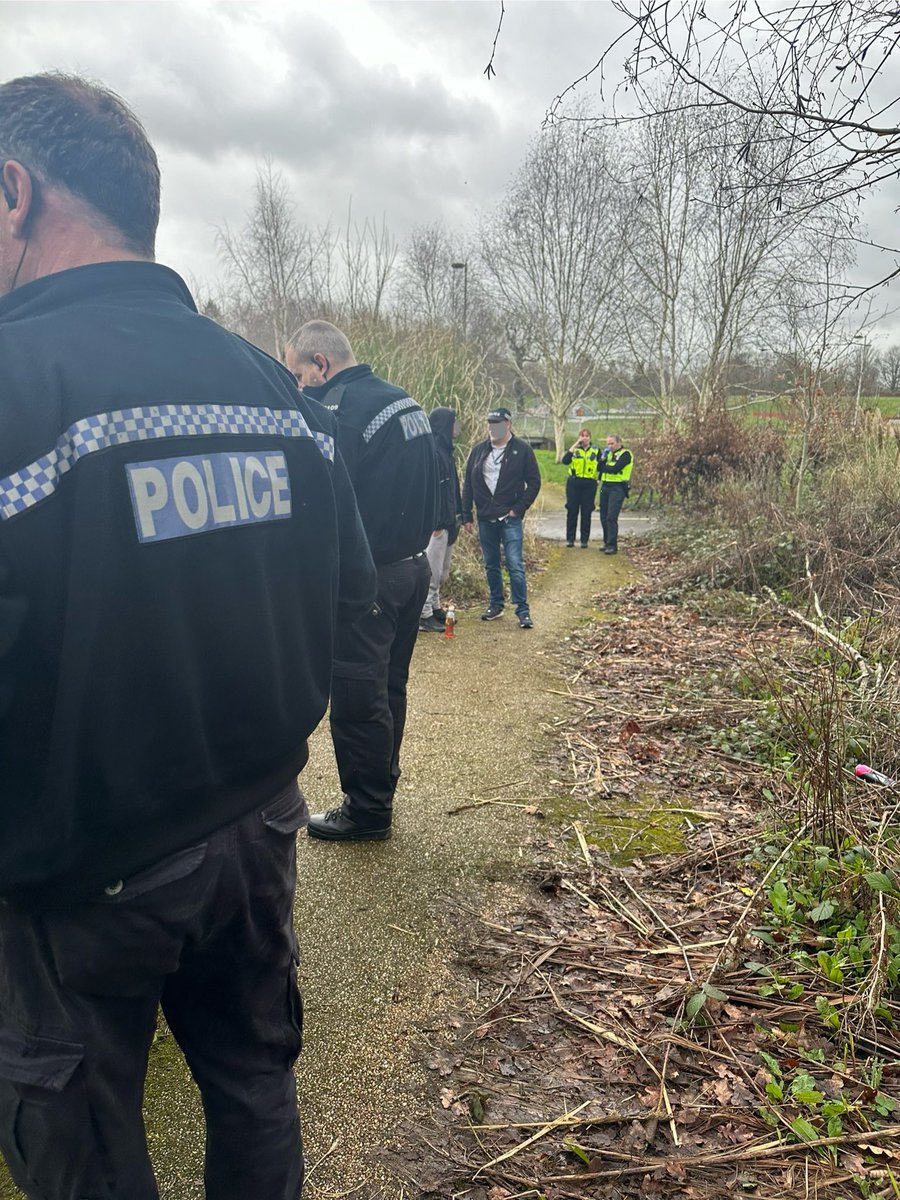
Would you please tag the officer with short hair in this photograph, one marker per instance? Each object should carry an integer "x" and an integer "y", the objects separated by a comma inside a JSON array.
[
  {"x": 177, "y": 540},
  {"x": 386, "y": 441}
]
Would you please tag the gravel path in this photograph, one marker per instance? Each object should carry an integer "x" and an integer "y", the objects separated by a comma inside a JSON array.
[
  {"x": 374, "y": 946},
  {"x": 374, "y": 943}
]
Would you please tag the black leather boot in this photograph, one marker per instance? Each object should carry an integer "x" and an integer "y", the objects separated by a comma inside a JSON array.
[{"x": 337, "y": 825}]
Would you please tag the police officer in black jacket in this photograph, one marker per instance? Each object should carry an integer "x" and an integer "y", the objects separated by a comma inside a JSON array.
[
  {"x": 177, "y": 540},
  {"x": 386, "y": 441}
]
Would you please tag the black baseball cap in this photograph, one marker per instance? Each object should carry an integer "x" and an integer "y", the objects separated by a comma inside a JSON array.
[{"x": 499, "y": 414}]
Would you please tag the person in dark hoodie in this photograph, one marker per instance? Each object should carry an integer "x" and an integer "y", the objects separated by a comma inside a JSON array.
[
  {"x": 178, "y": 538},
  {"x": 439, "y": 550}
]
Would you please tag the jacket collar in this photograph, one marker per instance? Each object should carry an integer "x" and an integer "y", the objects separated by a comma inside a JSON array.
[
  {"x": 92, "y": 281},
  {"x": 348, "y": 375}
]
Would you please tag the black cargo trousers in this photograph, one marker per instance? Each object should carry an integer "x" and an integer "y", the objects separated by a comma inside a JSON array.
[
  {"x": 580, "y": 496},
  {"x": 368, "y": 690},
  {"x": 207, "y": 933}
]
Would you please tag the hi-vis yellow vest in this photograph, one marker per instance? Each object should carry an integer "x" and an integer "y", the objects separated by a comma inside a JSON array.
[
  {"x": 584, "y": 463},
  {"x": 618, "y": 476}
]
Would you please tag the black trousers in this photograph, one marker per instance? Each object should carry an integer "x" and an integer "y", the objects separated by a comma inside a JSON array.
[
  {"x": 612, "y": 497},
  {"x": 368, "y": 690},
  {"x": 207, "y": 933},
  {"x": 580, "y": 494}
]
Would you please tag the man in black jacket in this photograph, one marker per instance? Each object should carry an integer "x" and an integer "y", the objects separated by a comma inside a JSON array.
[
  {"x": 439, "y": 550},
  {"x": 502, "y": 481},
  {"x": 387, "y": 444},
  {"x": 177, "y": 539}
]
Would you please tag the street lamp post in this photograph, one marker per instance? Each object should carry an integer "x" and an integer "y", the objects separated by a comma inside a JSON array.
[{"x": 464, "y": 267}]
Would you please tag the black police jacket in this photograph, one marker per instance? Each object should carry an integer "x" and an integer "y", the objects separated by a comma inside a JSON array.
[
  {"x": 176, "y": 538},
  {"x": 387, "y": 444}
]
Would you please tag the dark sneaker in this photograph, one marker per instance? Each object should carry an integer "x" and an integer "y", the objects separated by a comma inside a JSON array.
[
  {"x": 439, "y": 615},
  {"x": 570, "y": 545},
  {"x": 584, "y": 545},
  {"x": 610, "y": 550},
  {"x": 491, "y": 614},
  {"x": 525, "y": 622},
  {"x": 431, "y": 625},
  {"x": 337, "y": 825}
]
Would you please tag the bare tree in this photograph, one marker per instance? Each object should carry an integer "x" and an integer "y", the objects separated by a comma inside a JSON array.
[
  {"x": 706, "y": 258},
  {"x": 550, "y": 255},
  {"x": 661, "y": 162},
  {"x": 427, "y": 286},
  {"x": 815, "y": 76},
  {"x": 813, "y": 341},
  {"x": 273, "y": 258},
  {"x": 890, "y": 368},
  {"x": 368, "y": 253}
]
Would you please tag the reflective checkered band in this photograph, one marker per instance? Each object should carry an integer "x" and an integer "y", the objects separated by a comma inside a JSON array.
[
  {"x": 37, "y": 481},
  {"x": 385, "y": 415}
]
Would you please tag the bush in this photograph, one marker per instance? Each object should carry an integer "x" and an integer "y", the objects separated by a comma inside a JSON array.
[{"x": 683, "y": 464}]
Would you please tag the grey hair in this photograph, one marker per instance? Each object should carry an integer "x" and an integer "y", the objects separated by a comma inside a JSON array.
[{"x": 321, "y": 337}]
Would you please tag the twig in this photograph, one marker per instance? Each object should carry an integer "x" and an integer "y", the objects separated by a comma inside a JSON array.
[
  {"x": 542, "y": 1132},
  {"x": 820, "y": 631},
  {"x": 585, "y": 851}
]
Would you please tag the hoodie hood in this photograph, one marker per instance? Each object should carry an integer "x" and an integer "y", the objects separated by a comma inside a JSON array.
[{"x": 442, "y": 421}]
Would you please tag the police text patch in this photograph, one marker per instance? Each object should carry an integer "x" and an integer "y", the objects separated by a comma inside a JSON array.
[{"x": 175, "y": 497}]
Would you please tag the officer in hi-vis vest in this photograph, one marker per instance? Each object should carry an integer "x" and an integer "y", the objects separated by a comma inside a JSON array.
[
  {"x": 615, "y": 472},
  {"x": 581, "y": 486}
]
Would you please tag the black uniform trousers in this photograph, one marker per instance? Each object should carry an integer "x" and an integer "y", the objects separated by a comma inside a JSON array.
[
  {"x": 208, "y": 934},
  {"x": 368, "y": 691},
  {"x": 612, "y": 497},
  {"x": 580, "y": 495}
]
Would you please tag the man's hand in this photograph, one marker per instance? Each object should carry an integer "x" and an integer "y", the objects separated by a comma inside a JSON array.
[{"x": 468, "y": 526}]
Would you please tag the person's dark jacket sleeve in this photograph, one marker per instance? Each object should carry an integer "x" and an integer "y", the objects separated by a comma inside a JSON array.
[
  {"x": 357, "y": 580},
  {"x": 532, "y": 477},
  {"x": 566, "y": 458},
  {"x": 13, "y": 609}
]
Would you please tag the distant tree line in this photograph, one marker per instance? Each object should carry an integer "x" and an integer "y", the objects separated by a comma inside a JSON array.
[{"x": 632, "y": 260}]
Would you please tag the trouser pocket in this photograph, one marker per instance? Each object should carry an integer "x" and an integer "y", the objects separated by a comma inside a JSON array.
[{"x": 46, "y": 1131}]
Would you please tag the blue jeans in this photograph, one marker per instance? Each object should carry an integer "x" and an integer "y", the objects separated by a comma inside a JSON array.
[{"x": 508, "y": 534}]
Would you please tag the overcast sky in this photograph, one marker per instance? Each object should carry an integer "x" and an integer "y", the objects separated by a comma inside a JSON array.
[{"x": 384, "y": 102}]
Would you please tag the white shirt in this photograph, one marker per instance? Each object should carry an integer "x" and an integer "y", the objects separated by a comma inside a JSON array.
[{"x": 492, "y": 466}]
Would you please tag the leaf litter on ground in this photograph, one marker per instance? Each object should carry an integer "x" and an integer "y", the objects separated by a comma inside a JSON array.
[{"x": 627, "y": 1047}]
